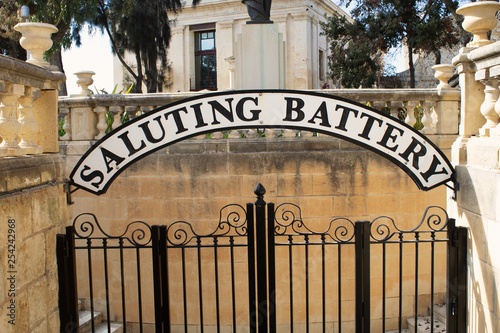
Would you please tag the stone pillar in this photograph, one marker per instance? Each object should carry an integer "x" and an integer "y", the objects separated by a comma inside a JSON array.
[
  {"x": 260, "y": 58},
  {"x": 224, "y": 46},
  {"x": 177, "y": 69},
  {"x": 472, "y": 95},
  {"x": 302, "y": 28}
]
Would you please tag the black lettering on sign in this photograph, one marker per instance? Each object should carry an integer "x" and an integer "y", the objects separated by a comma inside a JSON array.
[
  {"x": 345, "y": 115},
  {"x": 240, "y": 108},
  {"x": 321, "y": 114},
  {"x": 228, "y": 114},
  {"x": 131, "y": 149},
  {"x": 388, "y": 135},
  {"x": 177, "y": 119},
  {"x": 368, "y": 126},
  {"x": 432, "y": 169},
  {"x": 294, "y": 105},
  {"x": 109, "y": 157},
  {"x": 91, "y": 176},
  {"x": 411, "y": 150},
  {"x": 147, "y": 131}
]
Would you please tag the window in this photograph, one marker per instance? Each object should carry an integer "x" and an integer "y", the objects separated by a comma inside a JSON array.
[{"x": 205, "y": 61}]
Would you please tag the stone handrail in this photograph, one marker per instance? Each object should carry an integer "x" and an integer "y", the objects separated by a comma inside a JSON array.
[
  {"x": 28, "y": 109},
  {"x": 85, "y": 117}
]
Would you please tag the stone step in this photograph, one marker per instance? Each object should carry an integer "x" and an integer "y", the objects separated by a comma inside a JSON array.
[
  {"x": 86, "y": 320},
  {"x": 103, "y": 328},
  {"x": 439, "y": 313},
  {"x": 424, "y": 325}
]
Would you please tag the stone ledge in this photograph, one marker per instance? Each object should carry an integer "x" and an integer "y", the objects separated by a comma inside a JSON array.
[{"x": 18, "y": 173}]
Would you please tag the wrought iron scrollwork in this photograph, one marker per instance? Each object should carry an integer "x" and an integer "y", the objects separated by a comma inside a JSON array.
[
  {"x": 232, "y": 221},
  {"x": 434, "y": 219},
  {"x": 86, "y": 226},
  {"x": 289, "y": 221}
]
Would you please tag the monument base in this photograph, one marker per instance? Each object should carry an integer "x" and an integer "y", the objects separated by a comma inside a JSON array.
[{"x": 260, "y": 57}]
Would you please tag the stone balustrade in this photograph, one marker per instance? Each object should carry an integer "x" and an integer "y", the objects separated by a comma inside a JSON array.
[
  {"x": 435, "y": 111},
  {"x": 28, "y": 109}
]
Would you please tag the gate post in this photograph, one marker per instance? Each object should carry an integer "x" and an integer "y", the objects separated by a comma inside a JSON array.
[
  {"x": 362, "y": 250},
  {"x": 456, "y": 302},
  {"x": 66, "y": 272}
]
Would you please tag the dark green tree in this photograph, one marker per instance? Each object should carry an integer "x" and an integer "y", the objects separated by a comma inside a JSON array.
[
  {"x": 143, "y": 28},
  {"x": 421, "y": 26}
]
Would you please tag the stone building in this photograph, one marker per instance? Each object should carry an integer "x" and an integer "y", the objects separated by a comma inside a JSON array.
[{"x": 208, "y": 34}]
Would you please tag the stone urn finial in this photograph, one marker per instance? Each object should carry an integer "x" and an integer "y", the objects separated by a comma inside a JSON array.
[
  {"x": 479, "y": 19},
  {"x": 444, "y": 72},
  {"x": 36, "y": 40},
  {"x": 84, "y": 80}
]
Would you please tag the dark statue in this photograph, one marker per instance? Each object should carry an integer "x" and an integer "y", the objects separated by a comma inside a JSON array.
[{"x": 259, "y": 11}]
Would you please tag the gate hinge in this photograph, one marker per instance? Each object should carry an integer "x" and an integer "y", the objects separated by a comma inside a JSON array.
[{"x": 67, "y": 189}]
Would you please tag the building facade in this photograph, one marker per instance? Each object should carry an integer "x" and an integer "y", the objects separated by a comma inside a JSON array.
[{"x": 204, "y": 39}]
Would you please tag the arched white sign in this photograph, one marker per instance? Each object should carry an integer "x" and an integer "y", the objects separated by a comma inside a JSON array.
[{"x": 310, "y": 111}]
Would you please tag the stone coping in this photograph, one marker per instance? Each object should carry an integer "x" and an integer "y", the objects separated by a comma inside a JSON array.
[
  {"x": 18, "y": 173},
  {"x": 20, "y": 72}
]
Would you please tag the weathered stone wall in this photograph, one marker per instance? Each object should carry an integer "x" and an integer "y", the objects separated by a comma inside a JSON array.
[
  {"x": 327, "y": 177},
  {"x": 32, "y": 211}
]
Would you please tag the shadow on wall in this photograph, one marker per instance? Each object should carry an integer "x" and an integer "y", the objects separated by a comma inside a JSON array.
[{"x": 477, "y": 210}]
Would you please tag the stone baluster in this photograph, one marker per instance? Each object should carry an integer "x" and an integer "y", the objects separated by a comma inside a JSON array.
[
  {"x": 495, "y": 73},
  {"x": 102, "y": 125},
  {"x": 287, "y": 133},
  {"x": 429, "y": 117},
  {"x": 10, "y": 127},
  {"x": 131, "y": 111},
  {"x": 217, "y": 135},
  {"x": 410, "y": 112},
  {"x": 66, "y": 115},
  {"x": 145, "y": 109},
  {"x": 394, "y": 107},
  {"x": 378, "y": 105},
  {"x": 29, "y": 126},
  {"x": 117, "y": 114},
  {"x": 491, "y": 94},
  {"x": 234, "y": 135}
]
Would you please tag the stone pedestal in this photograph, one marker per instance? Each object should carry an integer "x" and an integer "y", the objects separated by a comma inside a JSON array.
[{"x": 260, "y": 58}]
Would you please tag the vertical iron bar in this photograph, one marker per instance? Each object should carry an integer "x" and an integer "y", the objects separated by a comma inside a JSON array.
[
  {"x": 252, "y": 303},
  {"x": 200, "y": 282},
  {"x": 164, "y": 279},
  {"x": 184, "y": 289},
  {"x": 417, "y": 237},
  {"x": 106, "y": 279},
  {"x": 122, "y": 273},
  {"x": 362, "y": 249},
  {"x": 339, "y": 284},
  {"x": 91, "y": 287},
  {"x": 400, "y": 315},
  {"x": 260, "y": 221},
  {"x": 217, "y": 305},
  {"x": 290, "y": 267},
  {"x": 271, "y": 257},
  {"x": 139, "y": 287},
  {"x": 323, "y": 282},
  {"x": 384, "y": 263},
  {"x": 306, "y": 249},
  {"x": 233, "y": 287},
  {"x": 155, "y": 235},
  {"x": 433, "y": 240}
]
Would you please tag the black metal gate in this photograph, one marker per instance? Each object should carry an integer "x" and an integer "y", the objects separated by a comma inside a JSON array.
[{"x": 264, "y": 270}]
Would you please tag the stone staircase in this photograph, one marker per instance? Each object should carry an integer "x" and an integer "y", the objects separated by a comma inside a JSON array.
[
  {"x": 424, "y": 323},
  {"x": 100, "y": 325}
]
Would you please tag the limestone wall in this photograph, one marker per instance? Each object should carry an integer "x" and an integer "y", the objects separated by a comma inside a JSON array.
[
  {"x": 327, "y": 177},
  {"x": 32, "y": 211}
]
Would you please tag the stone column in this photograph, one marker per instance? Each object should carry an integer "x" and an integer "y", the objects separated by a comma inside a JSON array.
[
  {"x": 472, "y": 95},
  {"x": 302, "y": 27},
  {"x": 177, "y": 69},
  {"x": 224, "y": 46}
]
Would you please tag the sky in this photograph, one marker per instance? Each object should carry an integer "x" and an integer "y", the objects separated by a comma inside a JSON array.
[{"x": 95, "y": 55}]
